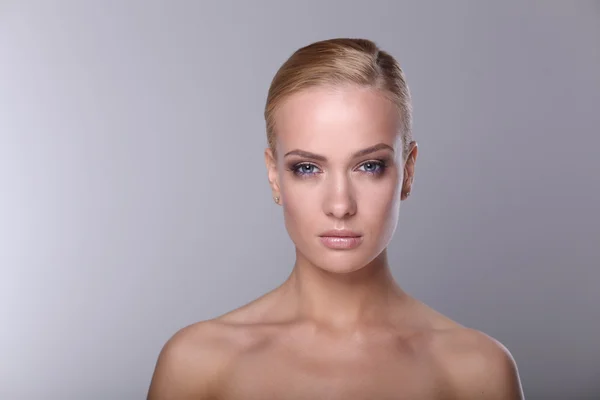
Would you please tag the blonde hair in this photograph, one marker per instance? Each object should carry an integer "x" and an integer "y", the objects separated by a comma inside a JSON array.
[{"x": 336, "y": 62}]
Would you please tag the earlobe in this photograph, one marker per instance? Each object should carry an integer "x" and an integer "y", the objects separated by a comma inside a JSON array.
[
  {"x": 409, "y": 171},
  {"x": 272, "y": 173}
]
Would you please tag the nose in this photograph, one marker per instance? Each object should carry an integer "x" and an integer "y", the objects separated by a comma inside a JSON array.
[{"x": 339, "y": 200}]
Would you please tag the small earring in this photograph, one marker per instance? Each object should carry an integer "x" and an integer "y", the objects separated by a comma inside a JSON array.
[
  {"x": 276, "y": 198},
  {"x": 407, "y": 194}
]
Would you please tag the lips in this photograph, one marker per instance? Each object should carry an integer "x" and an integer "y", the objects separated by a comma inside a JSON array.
[
  {"x": 340, "y": 233},
  {"x": 341, "y": 239}
]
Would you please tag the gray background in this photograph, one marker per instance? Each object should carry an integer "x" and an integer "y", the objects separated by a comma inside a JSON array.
[{"x": 134, "y": 198}]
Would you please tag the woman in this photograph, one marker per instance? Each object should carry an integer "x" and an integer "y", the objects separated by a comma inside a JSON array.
[{"x": 340, "y": 160}]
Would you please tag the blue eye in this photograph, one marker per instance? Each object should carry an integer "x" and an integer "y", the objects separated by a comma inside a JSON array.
[
  {"x": 373, "y": 167},
  {"x": 305, "y": 169}
]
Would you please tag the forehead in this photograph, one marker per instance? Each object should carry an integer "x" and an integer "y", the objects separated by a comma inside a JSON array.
[{"x": 337, "y": 120}]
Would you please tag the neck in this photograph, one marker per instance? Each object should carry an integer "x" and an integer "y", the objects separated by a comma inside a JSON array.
[{"x": 343, "y": 300}]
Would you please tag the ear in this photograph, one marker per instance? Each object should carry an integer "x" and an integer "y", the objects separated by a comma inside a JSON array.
[
  {"x": 272, "y": 173},
  {"x": 409, "y": 170}
]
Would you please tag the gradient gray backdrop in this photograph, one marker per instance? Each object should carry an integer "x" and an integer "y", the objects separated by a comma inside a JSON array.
[{"x": 134, "y": 198}]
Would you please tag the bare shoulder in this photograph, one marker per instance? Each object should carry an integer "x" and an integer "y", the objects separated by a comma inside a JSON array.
[
  {"x": 195, "y": 360},
  {"x": 191, "y": 362},
  {"x": 478, "y": 366},
  {"x": 474, "y": 364}
]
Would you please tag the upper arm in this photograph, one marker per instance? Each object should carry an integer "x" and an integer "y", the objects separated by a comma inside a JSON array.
[
  {"x": 185, "y": 368},
  {"x": 486, "y": 372}
]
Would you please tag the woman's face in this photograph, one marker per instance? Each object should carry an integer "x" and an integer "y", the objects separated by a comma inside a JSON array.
[{"x": 339, "y": 166}]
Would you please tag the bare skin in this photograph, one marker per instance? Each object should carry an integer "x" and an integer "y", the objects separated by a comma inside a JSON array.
[
  {"x": 339, "y": 327},
  {"x": 262, "y": 351}
]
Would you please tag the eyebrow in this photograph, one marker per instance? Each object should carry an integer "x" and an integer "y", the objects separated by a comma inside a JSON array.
[{"x": 360, "y": 153}]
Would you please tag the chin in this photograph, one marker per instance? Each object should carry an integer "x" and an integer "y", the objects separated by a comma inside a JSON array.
[
  {"x": 341, "y": 261},
  {"x": 340, "y": 268}
]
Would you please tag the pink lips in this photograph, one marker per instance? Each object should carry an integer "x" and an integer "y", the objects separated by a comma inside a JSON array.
[{"x": 341, "y": 239}]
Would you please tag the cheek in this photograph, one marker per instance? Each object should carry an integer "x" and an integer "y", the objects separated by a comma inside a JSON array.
[
  {"x": 300, "y": 205},
  {"x": 378, "y": 203}
]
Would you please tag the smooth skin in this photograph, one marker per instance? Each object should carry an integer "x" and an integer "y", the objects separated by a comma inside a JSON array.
[{"x": 339, "y": 327}]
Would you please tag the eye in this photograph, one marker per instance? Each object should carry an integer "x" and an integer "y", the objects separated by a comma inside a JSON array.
[
  {"x": 305, "y": 169},
  {"x": 373, "y": 167}
]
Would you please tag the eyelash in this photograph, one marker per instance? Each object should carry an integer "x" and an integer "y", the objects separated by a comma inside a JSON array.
[{"x": 380, "y": 164}]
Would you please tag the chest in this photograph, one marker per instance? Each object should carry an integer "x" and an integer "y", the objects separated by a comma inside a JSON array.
[{"x": 333, "y": 374}]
